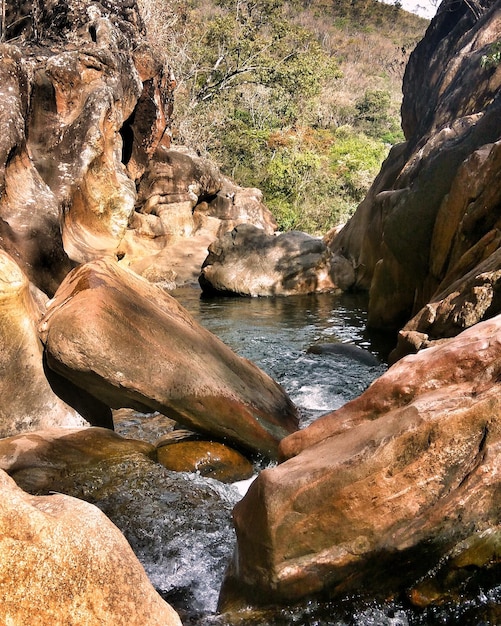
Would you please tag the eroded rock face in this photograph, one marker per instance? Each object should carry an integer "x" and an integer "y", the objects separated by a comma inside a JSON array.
[
  {"x": 373, "y": 495},
  {"x": 432, "y": 215},
  {"x": 63, "y": 561},
  {"x": 28, "y": 399},
  {"x": 250, "y": 262},
  {"x": 131, "y": 344}
]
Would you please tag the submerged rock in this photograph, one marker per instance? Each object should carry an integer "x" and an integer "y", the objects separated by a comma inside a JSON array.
[
  {"x": 63, "y": 562},
  {"x": 250, "y": 262},
  {"x": 375, "y": 494},
  {"x": 41, "y": 461},
  {"x": 132, "y": 345}
]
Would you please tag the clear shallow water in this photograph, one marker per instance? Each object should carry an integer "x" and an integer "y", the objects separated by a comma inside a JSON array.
[{"x": 275, "y": 333}]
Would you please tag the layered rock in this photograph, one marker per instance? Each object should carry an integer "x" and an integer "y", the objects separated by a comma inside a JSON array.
[
  {"x": 63, "y": 562},
  {"x": 30, "y": 399},
  {"x": 131, "y": 344},
  {"x": 431, "y": 217},
  {"x": 250, "y": 262},
  {"x": 376, "y": 494},
  {"x": 86, "y": 168},
  {"x": 184, "y": 203}
]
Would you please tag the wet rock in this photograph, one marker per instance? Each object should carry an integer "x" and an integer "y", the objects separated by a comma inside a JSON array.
[
  {"x": 132, "y": 345},
  {"x": 28, "y": 399},
  {"x": 472, "y": 564},
  {"x": 178, "y": 524},
  {"x": 40, "y": 461},
  {"x": 208, "y": 458},
  {"x": 431, "y": 217},
  {"x": 419, "y": 450},
  {"x": 63, "y": 562},
  {"x": 349, "y": 351},
  {"x": 250, "y": 262}
]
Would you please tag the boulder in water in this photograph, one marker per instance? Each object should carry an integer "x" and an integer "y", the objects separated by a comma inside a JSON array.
[
  {"x": 375, "y": 494},
  {"x": 347, "y": 350},
  {"x": 63, "y": 562},
  {"x": 130, "y": 344},
  {"x": 250, "y": 262},
  {"x": 207, "y": 458}
]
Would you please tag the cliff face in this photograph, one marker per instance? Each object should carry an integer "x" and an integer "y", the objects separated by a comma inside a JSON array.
[{"x": 432, "y": 216}]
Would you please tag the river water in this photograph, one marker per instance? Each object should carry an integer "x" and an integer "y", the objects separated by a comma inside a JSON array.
[{"x": 179, "y": 525}]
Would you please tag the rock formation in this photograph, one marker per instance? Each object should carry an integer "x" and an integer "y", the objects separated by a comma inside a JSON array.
[
  {"x": 396, "y": 494},
  {"x": 427, "y": 234},
  {"x": 29, "y": 392},
  {"x": 373, "y": 496},
  {"x": 250, "y": 262},
  {"x": 63, "y": 562}
]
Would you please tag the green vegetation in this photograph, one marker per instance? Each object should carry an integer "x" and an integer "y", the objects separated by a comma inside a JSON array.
[
  {"x": 300, "y": 98},
  {"x": 493, "y": 58}
]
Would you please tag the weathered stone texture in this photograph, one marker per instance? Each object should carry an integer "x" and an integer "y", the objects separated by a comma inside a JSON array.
[{"x": 422, "y": 225}]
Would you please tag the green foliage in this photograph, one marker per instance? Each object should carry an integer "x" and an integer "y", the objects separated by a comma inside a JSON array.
[
  {"x": 493, "y": 57},
  {"x": 300, "y": 98}
]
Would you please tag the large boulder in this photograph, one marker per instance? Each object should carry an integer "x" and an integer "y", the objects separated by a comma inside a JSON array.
[
  {"x": 376, "y": 494},
  {"x": 248, "y": 261},
  {"x": 432, "y": 215},
  {"x": 29, "y": 399},
  {"x": 130, "y": 344},
  {"x": 63, "y": 562}
]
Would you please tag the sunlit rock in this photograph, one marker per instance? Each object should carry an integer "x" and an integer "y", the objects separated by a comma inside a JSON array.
[
  {"x": 185, "y": 453},
  {"x": 29, "y": 212},
  {"x": 63, "y": 562},
  {"x": 248, "y": 261},
  {"x": 28, "y": 400},
  {"x": 183, "y": 204},
  {"x": 374, "y": 495},
  {"x": 130, "y": 344}
]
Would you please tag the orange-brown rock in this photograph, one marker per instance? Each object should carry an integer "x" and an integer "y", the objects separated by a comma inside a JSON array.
[
  {"x": 248, "y": 261},
  {"x": 208, "y": 458},
  {"x": 184, "y": 203},
  {"x": 29, "y": 401},
  {"x": 375, "y": 494},
  {"x": 39, "y": 461},
  {"x": 63, "y": 562},
  {"x": 432, "y": 215},
  {"x": 131, "y": 344}
]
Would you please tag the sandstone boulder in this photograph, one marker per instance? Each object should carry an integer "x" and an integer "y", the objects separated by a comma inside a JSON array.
[
  {"x": 374, "y": 495},
  {"x": 250, "y": 262},
  {"x": 63, "y": 562},
  {"x": 130, "y": 344}
]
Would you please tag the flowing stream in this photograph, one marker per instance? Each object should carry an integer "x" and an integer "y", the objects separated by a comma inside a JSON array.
[{"x": 180, "y": 526}]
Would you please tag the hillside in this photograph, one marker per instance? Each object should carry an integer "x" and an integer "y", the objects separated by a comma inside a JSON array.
[{"x": 300, "y": 99}]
